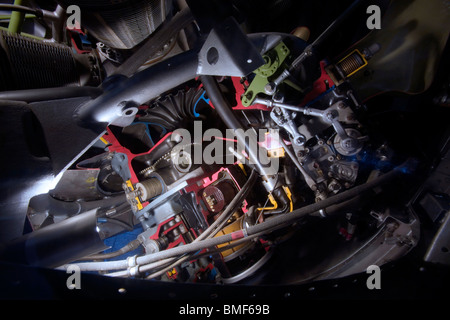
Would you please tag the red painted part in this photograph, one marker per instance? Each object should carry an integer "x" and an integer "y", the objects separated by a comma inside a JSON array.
[
  {"x": 319, "y": 85},
  {"x": 73, "y": 32},
  {"x": 179, "y": 240},
  {"x": 208, "y": 268},
  {"x": 76, "y": 30},
  {"x": 343, "y": 232},
  {"x": 239, "y": 88},
  {"x": 237, "y": 235},
  {"x": 239, "y": 92},
  {"x": 141, "y": 107},
  {"x": 74, "y": 46},
  {"x": 117, "y": 147},
  {"x": 176, "y": 225},
  {"x": 265, "y": 244},
  {"x": 158, "y": 232}
]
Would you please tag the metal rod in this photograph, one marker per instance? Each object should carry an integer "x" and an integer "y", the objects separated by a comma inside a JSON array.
[
  {"x": 17, "y": 17},
  {"x": 309, "y": 181},
  {"x": 306, "y": 111},
  {"x": 271, "y": 87}
]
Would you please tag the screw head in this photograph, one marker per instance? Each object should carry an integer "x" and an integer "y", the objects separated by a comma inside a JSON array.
[
  {"x": 270, "y": 88},
  {"x": 299, "y": 141}
]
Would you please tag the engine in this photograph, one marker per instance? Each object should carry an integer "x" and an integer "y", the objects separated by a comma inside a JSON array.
[
  {"x": 187, "y": 178},
  {"x": 211, "y": 155}
]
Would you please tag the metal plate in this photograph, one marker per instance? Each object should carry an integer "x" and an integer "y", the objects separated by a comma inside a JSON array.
[{"x": 228, "y": 52}]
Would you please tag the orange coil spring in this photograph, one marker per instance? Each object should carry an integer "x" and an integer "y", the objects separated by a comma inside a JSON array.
[{"x": 351, "y": 64}]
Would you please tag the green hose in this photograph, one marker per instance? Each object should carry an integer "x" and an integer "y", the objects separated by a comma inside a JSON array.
[{"x": 16, "y": 20}]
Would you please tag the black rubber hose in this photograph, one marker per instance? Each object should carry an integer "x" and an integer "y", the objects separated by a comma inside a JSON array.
[
  {"x": 220, "y": 104},
  {"x": 174, "y": 110}
]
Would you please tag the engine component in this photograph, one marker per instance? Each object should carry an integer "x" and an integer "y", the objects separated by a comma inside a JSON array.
[
  {"x": 118, "y": 107},
  {"x": 351, "y": 64},
  {"x": 218, "y": 195},
  {"x": 274, "y": 61},
  {"x": 173, "y": 111},
  {"x": 149, "y": 189},
  {"x": 29, "y": 63},
  {"x": 285, "y": 119},
  {"x": 313, "y": 168},
  {"x": 122, "y": 24},
  {"x": 271, "y": 87},
  {"x": 169, "y": 233}
]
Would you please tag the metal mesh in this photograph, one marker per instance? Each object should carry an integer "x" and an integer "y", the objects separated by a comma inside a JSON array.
[
  {"x": 122, "y": 24},
  {"x": 38, "y": 64}
]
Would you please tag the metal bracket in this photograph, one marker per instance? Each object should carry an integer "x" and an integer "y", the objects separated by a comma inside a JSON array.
[
  {"x": 285, "y": 118},
  {"x": 228, "y": 52},
  {"x": 119, "y": 163}
]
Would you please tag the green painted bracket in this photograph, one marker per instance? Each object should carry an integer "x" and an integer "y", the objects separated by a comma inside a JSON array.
[{"x": 274, "y": 59}]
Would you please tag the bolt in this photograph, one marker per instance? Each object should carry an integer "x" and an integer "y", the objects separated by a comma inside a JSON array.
[
  {"x": 278, "y": 97},
  {"x": 299, "y": 141},
  {"x": 329, "y": 116},
  {"x": 270, "y": 88},
  {"x": 277, "y": 110},
  {"x": 341, "y": 105}
]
